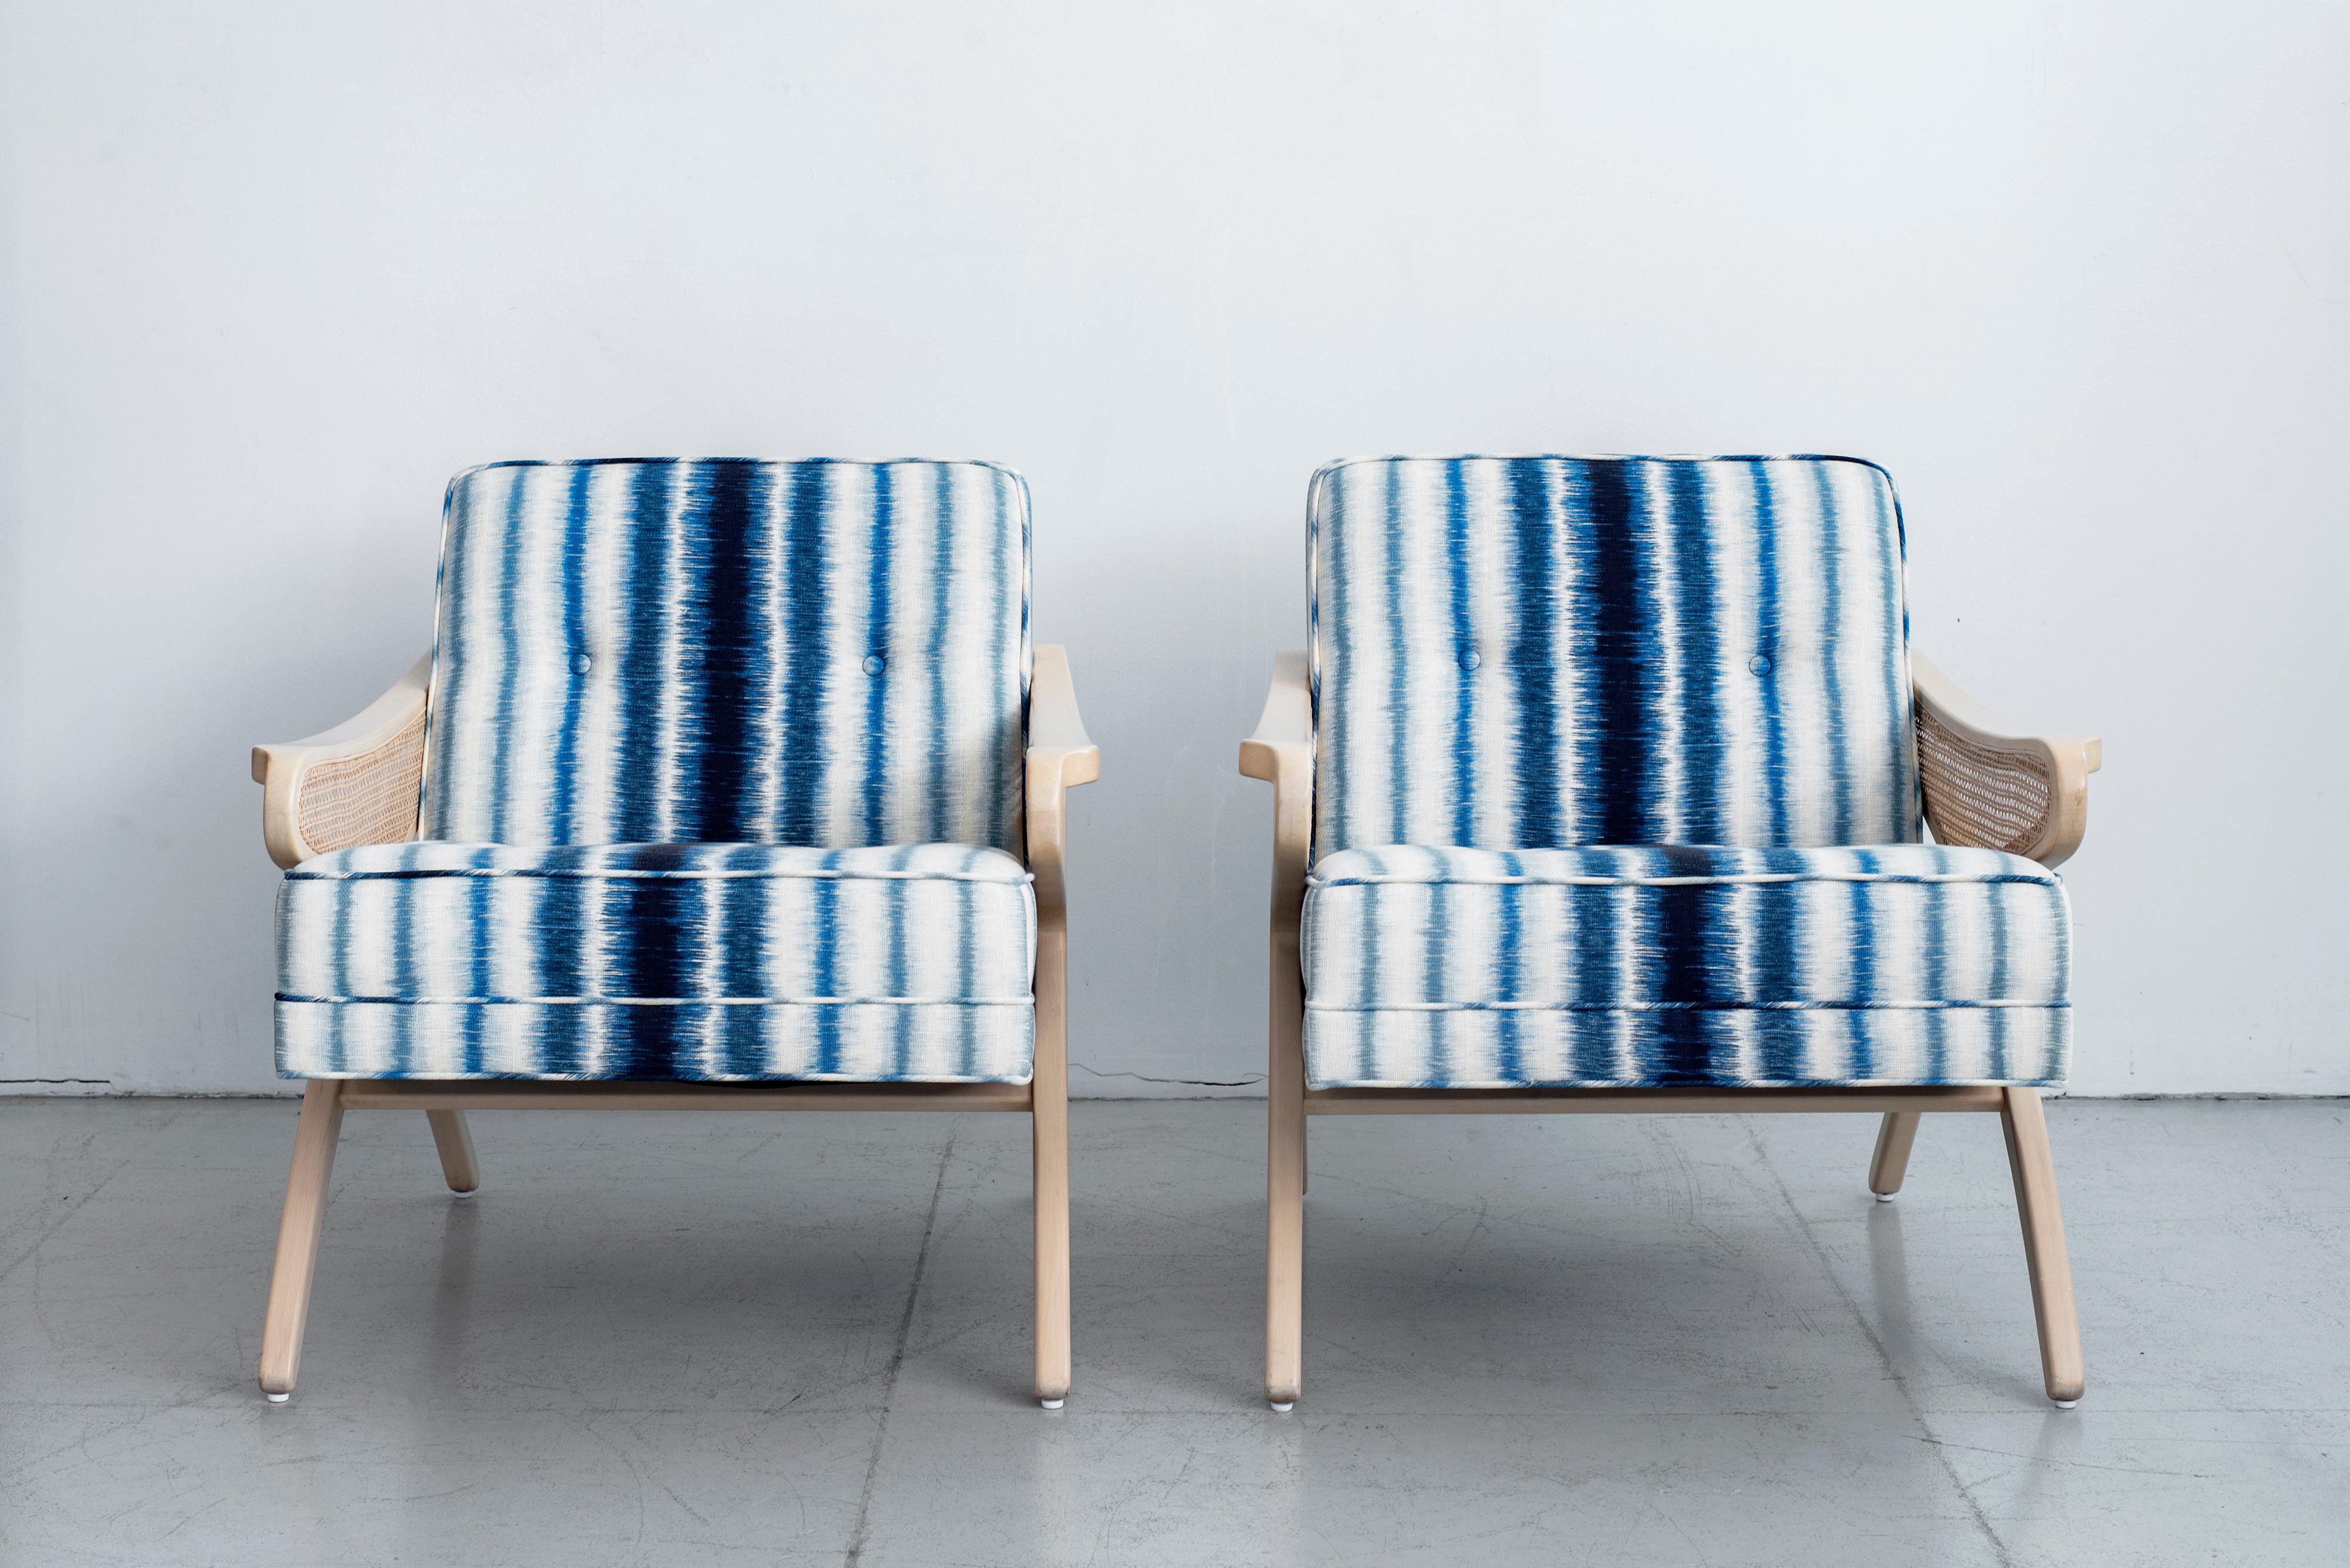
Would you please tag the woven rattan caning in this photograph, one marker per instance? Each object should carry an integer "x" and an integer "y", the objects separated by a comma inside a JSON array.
[
  {"x": 367, "y": 799},
  {"x": 1975, "y": 795}
]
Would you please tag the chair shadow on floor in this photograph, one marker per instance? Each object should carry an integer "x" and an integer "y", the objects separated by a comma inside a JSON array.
[
  {"x": 1892, "y": 1311},
  {"x": 453, "y": 1295}
]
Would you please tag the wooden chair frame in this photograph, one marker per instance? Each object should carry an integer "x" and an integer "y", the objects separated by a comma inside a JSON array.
[
  {"x": 383, "y": 740},
  {"x": 1282, "y": 754}
]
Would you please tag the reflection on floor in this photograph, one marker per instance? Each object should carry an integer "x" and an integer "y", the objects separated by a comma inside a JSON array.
[{"x": 662, "y": 1338}]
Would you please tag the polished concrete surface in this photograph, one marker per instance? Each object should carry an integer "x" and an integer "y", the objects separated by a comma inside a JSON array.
[{"x": 763, "y": 1338}]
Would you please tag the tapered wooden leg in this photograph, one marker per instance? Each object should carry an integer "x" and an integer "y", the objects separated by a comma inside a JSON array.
[
  {"x": 1891, "y": 1163},
  {"x": 297, "y": 1234},
  {"x": 2043, "y": 1244},
  {"x": 1285, "y": 1251},
  {"x": 1051, "y": 1117},
  {"x": 455, "y": 1142}
]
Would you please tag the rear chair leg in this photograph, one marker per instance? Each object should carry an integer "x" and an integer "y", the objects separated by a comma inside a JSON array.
[
  {"x": 298, "y": 1236},
  {"x": 1891, "y": 1163},
  {"x": 455, "y": 1142},
  {"x": 2034, "y": 1171}
]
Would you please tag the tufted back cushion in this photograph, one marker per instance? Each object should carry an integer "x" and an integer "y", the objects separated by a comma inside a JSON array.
[
  {"x": 1541, "y": 652},
  {"x": 824, "y": 653}
]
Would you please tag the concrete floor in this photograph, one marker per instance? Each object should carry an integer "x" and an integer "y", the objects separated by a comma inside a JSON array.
[{"x": 678, "y": 1338}]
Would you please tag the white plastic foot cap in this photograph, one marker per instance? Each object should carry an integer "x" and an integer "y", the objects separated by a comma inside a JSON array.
[
  {"x": 1883, "y": 1197},
  {"x": 2065, "y": 1404},
  {"x": 468, "y": 1192},
  {"x": 1285, "y": 1407},
  {"x": 1050, "y": 1403},
  {"x": 277, "y": 1398}
]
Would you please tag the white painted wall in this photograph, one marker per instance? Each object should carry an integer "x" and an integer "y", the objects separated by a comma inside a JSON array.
[{"x": 2077, "y": 273}]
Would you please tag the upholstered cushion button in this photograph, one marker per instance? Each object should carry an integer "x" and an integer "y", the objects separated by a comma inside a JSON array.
[
  {"x": 1471, "y": 659},
  {"x": 581, "y": 664},
  {"x": 1759, "y": 664},
  {"x": 875, "y": 664}
]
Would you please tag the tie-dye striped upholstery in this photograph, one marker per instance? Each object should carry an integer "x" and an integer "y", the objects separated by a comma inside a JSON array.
[
  {"x": 723, "y": 782},
  {"x": 657, "y": 960},
  {"x": 1539, "y": 651},
  {"x": 1519, "y": 662},
  {"x": 1903, "y": 963},
  {"x": 728, "y": 651}
]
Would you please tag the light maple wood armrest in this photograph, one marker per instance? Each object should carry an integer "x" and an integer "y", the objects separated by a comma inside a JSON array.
[
  {"x": 1281, "y": 753},
  {"x": 355, "y": 783},
  {"x": 1990, "y": 783},
  {"x": 1061, "y": 755}
]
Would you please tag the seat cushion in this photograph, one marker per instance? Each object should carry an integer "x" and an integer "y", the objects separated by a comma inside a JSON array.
[
  {"x": 1897, "y": 964},
  {"x": 907, "y": 964}
]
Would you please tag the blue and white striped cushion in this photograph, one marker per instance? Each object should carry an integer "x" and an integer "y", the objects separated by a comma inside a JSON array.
[
  {"x": 729, "y": 962},
  {"x": 822, "y": 653},
  {"x": 1608, "y": 967},
  {"x": 1544, "y": 651}
]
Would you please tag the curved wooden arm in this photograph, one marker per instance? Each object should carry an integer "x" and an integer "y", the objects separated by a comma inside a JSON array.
[
  {"x": 355, "y": 783},
  {"x": 1988, "y": 782},
  {"x": 1281, "y": 753},
  {"x": 1060, "y": 756}
]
